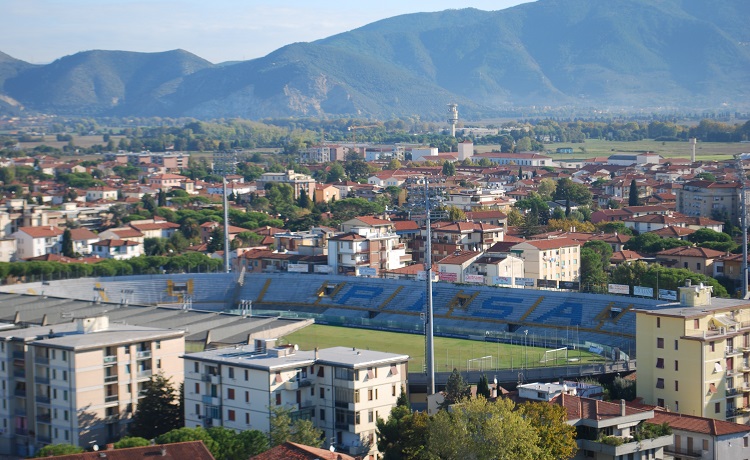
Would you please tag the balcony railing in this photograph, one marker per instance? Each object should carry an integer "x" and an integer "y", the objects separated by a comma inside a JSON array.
[
  {"x": 41, "y": 359},
  {"x": 733, "y": 412},
  {"x": 732, "y": 351},
  {"x": 44, "y": 438},
  {"x": 143, "y": 354},
  {"x": 732, "y": 391},
  {"x": 110, "y": 359},
  {"x": 112, "y": 418},
  {"x": 42, "y": 379},
  {"x": 19, "y": 355},
  {"x": 44, "y": 418},
  {"x": 144, "y": 374},
  {"x": 111, "y": 398},
  {"x": 42, "y": 399},
  {"x": 20, "y": 393},
  {"x": 110, "y": 378},
  {"x": 19, "y": 373}
]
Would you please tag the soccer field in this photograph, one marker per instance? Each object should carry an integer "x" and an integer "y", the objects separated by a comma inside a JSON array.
[{"x": 449, "y": 353}]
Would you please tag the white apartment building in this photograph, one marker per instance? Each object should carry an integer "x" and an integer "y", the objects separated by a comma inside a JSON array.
[
  {"x": 37, "y": 241},
  {"x": 375, "y": 248},
  {"x": 78, "y": 382},
  {"x": 556, "y": 259},
  {"x": 297, "y": 181},
  {"x": 341, "y": 390}
]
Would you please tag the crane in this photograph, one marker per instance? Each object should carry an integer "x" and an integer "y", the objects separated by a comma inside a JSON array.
[{"x": 354, "y": 129}]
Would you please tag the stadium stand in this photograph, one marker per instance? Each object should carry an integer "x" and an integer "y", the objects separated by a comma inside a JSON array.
[{"x": 460, "y": 310}]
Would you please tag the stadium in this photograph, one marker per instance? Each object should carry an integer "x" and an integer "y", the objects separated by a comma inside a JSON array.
[{"x": 603, "y": 323}]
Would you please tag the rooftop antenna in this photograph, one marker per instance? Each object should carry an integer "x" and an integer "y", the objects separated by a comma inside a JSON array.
[
  {"x": 225, "y": 163},
  {"x": 453, "y": 117}
]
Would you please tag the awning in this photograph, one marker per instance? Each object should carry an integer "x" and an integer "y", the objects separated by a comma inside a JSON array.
[
  {"x": 717, "y": 367},
  {"x": 712, "y": 388},
  {"x": 394, "y": 369}
]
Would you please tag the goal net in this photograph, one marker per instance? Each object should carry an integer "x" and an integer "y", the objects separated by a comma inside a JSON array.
[{"x": 554, "y": 356}]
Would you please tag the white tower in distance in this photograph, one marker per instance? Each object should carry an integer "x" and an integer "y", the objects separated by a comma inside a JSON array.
[
  {"x": 693, "y": 141},
  {"x": 453, "y": 117}
]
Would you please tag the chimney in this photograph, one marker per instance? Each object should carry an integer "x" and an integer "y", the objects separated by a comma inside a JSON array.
[
  {"x": 622, "y": 407},
  {"x": 316, "y": 353},
  {"x": 163, "y": 451},
  {"x": 110, "y": 447}
]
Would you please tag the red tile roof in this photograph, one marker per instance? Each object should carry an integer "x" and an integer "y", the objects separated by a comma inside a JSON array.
[
  {"x": 115, "y": 243},
  {"x": 554, "y": 243},
  {"x": 592, "y": 409},
  {"x": 687, "y": 251},
  {"x": 78, "y": 234},
  {"x": 46, "y": 231},
  {"x": 294, "y": 451},
  {"x": 460, "y": 258},
  {"x": 698, "y": 424}
]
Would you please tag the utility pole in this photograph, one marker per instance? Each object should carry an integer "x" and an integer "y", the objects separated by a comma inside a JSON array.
[{"x": 225, "y": 163}]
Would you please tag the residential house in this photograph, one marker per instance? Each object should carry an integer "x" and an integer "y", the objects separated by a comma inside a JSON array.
[
  {"x": 325, "y": 193},
  {"x": 82, "y": 239},
  {"x": 696, "y": 259},
  {"x": 37, "y": 241},
  {"x": 497, "y": 269},
  {"x": 297, "y": 181},
  {"x": 166, "y": 181},
  {"x": 123, "y": 233},
  {"x": 449, "y": 237},
  {"x": 155, "y": 229},
  {"x": 116, "y": 249},
  {"x": 453, "y": 268},
  {"x": 101, "y": 193},
  {"x": 371, "y": 248},
  {"x": 291, "y": 450},
  {"x": 519, "y": 159},
  {"x": 717, "y": 200}
]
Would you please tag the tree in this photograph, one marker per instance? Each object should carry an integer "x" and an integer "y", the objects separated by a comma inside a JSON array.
[
  {"x": 614, "y": 227},
  {"x": 623, "y": 389},
  {"x": 651, "y": 243},
  {"x": 161, "y": 198},
  {"x": 546, "y": 188},
  {"x": 303, "y": 201},
  {"x": 158, "y": 412},
  {"x": 515, "y": 218},
  {"x": 449, "y": 169},
  {"x": 566, "y": 225},
  {"x": 455, "y": 214},
  {"x": 557, "y": 439},
  {"x": 480, "y": 429},
  {"x": 456, "y": 389},
  {"x": 568, "y": 190},
  {"x": 67, "y": 244},
  {"x": 128, "y": 442},
  {"x": 483, "y": 387},
  {"x": 633, "y": 197},
  {"x": 251, "y": 443},
  {"x": 301, "y": 431},
  {"x": 52, "y": 450},
  {"x": 336, "y": 173},
  {"x": 191, "y": 434},
  {"x": 148, "y": 202}
]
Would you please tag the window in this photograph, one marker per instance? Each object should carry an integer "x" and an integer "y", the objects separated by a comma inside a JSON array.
[
  {"x": 696, "y": 324},
  {"x": 197, "y": 388},
  {"x": 247, "y": 375},
  {"x": 247, "y": 418},
  {"x": 659, "y": 383},
  {"x": 196, "y": 367},
  {"x": 698, "y": 266},
  {"x": 705, "y": 444},
  {"x": 660, "y": 402},
  {"x": 659, "y": 342},
  {"x": 322, "y": 414},
  {"x": 356, "y": 396},
  {"x": 393, "y": 390},
  {"x": 247, "y": 396},
  {"x": 322, "y": 393},
  {"x": 158, "y": 344},
  {"x": 158, "y": 363},
  {"x": 717, "y": 407},
  {"x": 230, "y": 415},
  {"x": 198, "y": 409},
  {"x": 369, "y": 394},
  {"x": 278, "y": 399},
  {"x": 676, "y": 385},
  {"x": 658, "y": 322},
  {"x": 676, "y": 406},
  {"x": 676, "y": 365},
  {"x": 231, "y": 372},
  {"x": 230, "y": 393},
  {"x": 712, "y": 345},
  {"x": 356, "y": 418},
  {"x": 370, "y": 418},
  {"x": 744, "y": 440},
  {"x": 660, "y": 363}
]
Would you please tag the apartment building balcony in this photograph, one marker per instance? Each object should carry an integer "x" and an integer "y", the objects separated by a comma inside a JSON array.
[
  {"x": 111, "y": 359},
  {"x": 110, "y": 378},
  {"x": 20, "y": 411},
  {"x": 144, "y": 374},
  {"x": 144, "y": 354},
  {"x": 44, "y": 418},
  {"x": 41, "y": 379},
  {"x": 683, "y": 452},
  {"x": 19, "y": 373},
  {"x": 212, "y": 378},
  {"x": 109, "y": 399},
  {"x": 732, "y": 351},
  {"x": 42, "y": 399},
  {"x": 19, "y": 355},
  {"x": 20, "y": 393},
  {"x": 45, "y": 438},
  {"x": 21, "y": 431},
  {"x": 626, "y": 448},
  {"x": 732, "y": 391},
  {"x": 733, "y": 412},
  {"x": 745, "y": 387},
  {"x": 212, "y": 400},
  {"x": 745, "y": 367},
  {"x": 110, "y": 419},
  {"x": 41, "y": 359},
  {"x": 731, "y": 372},
  {"x": 291, "y": 385}
]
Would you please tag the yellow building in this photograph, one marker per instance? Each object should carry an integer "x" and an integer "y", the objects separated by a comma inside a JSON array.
[{"x": 694, "y": 357}]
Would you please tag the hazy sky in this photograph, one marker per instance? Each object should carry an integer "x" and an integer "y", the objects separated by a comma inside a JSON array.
[{"x": 41, "y": 31}]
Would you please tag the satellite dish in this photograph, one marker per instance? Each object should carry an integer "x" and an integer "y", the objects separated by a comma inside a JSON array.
[
  {"x": 332, "y": 449},
  {"x": 96, "y": 447},
  {"x": 296, "y": 347}
]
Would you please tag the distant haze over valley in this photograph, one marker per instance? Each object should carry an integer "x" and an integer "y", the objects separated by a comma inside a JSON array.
[{"x": 579, "y": 54}]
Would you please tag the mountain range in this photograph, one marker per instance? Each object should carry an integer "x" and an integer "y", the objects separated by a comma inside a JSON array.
[{"x": 623, "y": 54}]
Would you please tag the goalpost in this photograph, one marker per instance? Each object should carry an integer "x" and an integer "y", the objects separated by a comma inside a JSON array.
[{"x": 555, "y": 355}]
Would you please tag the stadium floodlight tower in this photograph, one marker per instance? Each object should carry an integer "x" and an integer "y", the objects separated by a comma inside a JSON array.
[
  {"x": 429, "y": 328},
  {"x": 225, "y": 164},
  {"x": 453, "y": 117}
]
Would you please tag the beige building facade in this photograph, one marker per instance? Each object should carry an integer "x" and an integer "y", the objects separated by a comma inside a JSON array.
[{"x": 78, "y": 383}]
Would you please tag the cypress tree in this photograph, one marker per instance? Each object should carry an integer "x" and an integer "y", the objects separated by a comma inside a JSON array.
[{"x": 633, "y": 199}]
